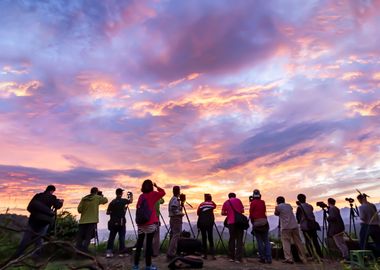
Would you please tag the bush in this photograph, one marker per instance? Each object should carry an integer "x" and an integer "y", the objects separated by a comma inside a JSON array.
[{"x": 66, "y": 227}]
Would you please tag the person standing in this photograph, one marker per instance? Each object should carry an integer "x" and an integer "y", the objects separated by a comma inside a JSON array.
[
  {"x": 146, "y": 207},
  {"x": 156, "y": 237},
  {"x": 306, "y": 219},
  {"x": 289, "y": 231},
  {"x": 205, "y": 224},
  {"x": 117, "y": 223},
  {"x": 336, "y": 227},
  {"x": 257, "y": 214},
  {"x": 370, "y": 224},
  {"x": 175, "y": 219},
  {"x": 42, "y": 209},
  {"x": 235, "y": 243},
  {"x": 89, "y": 218}
]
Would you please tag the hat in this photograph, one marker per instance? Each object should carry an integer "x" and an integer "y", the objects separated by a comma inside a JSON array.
[
  {"x": 119, "y": 191},
  {"x": 256, "y": 193}
]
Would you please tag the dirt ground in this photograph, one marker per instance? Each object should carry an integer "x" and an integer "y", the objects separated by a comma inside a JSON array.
[{"x": 222, "y": 263}]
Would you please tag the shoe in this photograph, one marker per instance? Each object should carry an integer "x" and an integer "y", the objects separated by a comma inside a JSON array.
[
  {"x": 152, "y": 267},
  {"x": 288, "y": 261},
  {"x": 135, "y": 267},
  {"x": 268, "y": 261},
  {"x": 204, "y": 257},
  {"x": 231, "y": 260},
  {"x": 237, "y": 261},
  {"x": 109, "y": 255},
  {"x": 261, "y": 260}
]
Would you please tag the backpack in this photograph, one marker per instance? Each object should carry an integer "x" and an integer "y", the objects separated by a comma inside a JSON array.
[{"x": 143, "y": 212}]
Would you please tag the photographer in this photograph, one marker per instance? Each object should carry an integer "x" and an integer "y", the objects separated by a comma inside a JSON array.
[
  {"x": 205, "y": 224},
  {"x": 257, "y": 214},
  {"x": 42, "y": 209},
  {"x": 117, "y": 223},
  {"x": 235, "y": 243},
  {"x": 336, "y": 227},
  {"x": 89, "y": 210},
  {"x": 289, "y": 230},
  {"x": 309, "y": 226},
  {"x": 370, "y": 224},
  {"x": 175, "y": 220},
  {"x": 147, "y": 221}
]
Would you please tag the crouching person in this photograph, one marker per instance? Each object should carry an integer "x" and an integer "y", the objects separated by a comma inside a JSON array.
[{"x": 42, "y": 209}]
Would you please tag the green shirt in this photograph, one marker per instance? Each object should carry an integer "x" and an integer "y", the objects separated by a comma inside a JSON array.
[
  {"x": 157, "y": 207},
  {"x": 89, "y": 208}
]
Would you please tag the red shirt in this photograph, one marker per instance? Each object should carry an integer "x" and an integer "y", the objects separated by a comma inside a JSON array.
[
  {"x": 238, "y": 206},
  {"x": 152, "y": 197},
  {"x": 257, "y": 209}
]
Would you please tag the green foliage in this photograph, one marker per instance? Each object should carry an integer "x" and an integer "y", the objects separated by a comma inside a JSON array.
[{"x": 66, "y": 227}]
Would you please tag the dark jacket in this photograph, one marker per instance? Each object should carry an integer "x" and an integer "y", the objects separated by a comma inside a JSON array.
[
  {"x": 336, "y": 224},
  {"x": 41, "y": 209},
  {"x": 116, "y": 210}
]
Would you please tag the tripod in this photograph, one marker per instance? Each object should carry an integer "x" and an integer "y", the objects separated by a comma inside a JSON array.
[
  {"x": 324, "y": 229},
  {"x": 353, "y": 214},
  {"x": 188, "y": 219},
  {"x": 133, "y": 224},
  {"x": 220, "y": 237}
]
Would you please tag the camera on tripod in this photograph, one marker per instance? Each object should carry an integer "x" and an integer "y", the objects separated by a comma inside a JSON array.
[
  {"x": 130, "y": 196},
  {"x": 182, "y": 198},
  {"x": 350, "y": 200},
  {"x": 322, "y": 205}
]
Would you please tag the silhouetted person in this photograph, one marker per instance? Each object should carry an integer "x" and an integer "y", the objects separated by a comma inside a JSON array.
[
  {"x": 235, "y": 243},
  {"x": 257, "y": 214},
  {"x": 289, "y": 230},
  {"x": 89, "y": 218},
  {"x": 147, "y": 200},
  {"x": 42, "y": 209},
  {"x": 306, "y": 219},
  {"x": 336, "y": 227},
  {"x": 205, "y": 224},
  {"x": 175, "y": 216},
  {"x": 117, "y": 223},
  {"x": 369, "y": 225}
]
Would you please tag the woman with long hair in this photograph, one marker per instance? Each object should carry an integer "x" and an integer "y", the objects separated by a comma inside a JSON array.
[{"x": 147, "y": 221}]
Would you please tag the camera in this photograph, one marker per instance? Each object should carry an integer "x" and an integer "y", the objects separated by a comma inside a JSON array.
[
  {"x": 100, "y": 193},
  {"x": 298, "y": 202},
  {"x": 182, "y": 198},
  {"x": 130, "y": 196},
  {"x": 350, "y": 200},
  {"x": 250, "y": 198},
  {"x": 322, "y": 205}
]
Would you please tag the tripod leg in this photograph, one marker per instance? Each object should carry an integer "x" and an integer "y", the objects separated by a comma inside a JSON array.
[
  {"x": 220, "y": 238},
  {"x": 163, "y": 221},
  {"x": 188, "y": 220},
  {"x": 133, "y": 224},
  {"x": 166, "y": 236}
]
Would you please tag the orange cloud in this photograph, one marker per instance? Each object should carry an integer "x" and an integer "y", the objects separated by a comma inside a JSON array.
[{"x": 19, "y": 89}]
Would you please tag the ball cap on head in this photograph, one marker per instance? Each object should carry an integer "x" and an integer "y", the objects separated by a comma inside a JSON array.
[
  {"x": 256, "y": 193},
  {"x": 119, "y": 191}
]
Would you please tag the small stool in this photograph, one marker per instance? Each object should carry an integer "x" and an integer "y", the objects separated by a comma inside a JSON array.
[{"x": 362, "y": 258}]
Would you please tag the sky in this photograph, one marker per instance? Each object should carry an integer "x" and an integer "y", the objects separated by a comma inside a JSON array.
[{"x": 216, "y": 96}]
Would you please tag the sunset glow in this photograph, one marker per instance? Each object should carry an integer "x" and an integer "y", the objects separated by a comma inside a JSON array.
[{"x": 213, "y": 96}]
